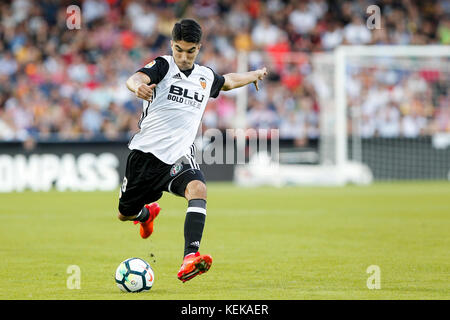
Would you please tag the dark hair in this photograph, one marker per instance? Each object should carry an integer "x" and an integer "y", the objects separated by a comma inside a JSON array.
[{"x": 187, "y": 30}]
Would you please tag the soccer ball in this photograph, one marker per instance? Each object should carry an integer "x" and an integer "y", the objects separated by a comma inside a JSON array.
[{"x": 134, "y": 275}]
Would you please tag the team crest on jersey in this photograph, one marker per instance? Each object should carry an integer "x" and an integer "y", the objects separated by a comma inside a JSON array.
[
  {"x": 176, "y": 168},
  {"x": 203, "y": 82},
  {"x": 150, "y": 64}
]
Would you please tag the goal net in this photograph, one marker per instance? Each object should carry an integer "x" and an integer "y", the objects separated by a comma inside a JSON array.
[
  {"x": 383, "y": 113},
  {"x": 396, "y": 106}
]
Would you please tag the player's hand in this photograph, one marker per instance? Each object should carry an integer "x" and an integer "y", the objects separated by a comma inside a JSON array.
[
  {"x": 145, "y": 91},
  {"x": 260, "y": 74}
]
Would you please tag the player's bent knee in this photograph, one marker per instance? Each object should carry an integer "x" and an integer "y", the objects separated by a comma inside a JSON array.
[
  {"x": 122, "y": 217},
  {"x": 196, "y": 189}
]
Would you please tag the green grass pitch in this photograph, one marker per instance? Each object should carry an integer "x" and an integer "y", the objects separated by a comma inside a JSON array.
[{"x": 267, "y": 243}]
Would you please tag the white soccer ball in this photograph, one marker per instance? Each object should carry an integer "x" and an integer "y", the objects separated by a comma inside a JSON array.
[{"x": 134, "y": 275}]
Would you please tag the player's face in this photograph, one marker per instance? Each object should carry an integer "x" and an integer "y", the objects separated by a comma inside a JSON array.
[{"x": 184, "y": 53}]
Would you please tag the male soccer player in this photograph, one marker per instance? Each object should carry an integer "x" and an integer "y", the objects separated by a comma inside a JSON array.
[{"x": 175, "y": 91}]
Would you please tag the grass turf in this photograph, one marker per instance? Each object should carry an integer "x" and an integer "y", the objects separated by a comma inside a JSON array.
[{"x": 267, "y": 243}]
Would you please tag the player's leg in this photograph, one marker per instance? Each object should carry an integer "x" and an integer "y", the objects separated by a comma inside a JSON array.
[
  {"x": 194, "y": 223},
  {"x": 137, "y": 200},
  {"x": 143, "y": 214},
  {"x": 194, "y": 263},
  {"x": 145, "y": 217},
  {"x": 191, "y": 185},
  {"x": 147, "y": 211}
]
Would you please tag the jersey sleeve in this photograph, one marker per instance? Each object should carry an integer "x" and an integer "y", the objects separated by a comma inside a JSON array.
[
  {"x": 156, "y": 70},
  {"x": 217, "y": 84}
]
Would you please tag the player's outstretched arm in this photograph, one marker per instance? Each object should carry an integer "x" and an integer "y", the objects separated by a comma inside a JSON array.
[
  {"x": 237, "y": 80},
  {"x": 137, "y": 83}
]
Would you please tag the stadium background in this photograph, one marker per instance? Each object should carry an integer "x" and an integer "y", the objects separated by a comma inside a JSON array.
[
  {"x": 66, "y": 85},
  {"x": 63, "y": 93}
]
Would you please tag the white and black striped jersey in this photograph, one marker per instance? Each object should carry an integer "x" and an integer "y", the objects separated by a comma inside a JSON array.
[{"x": 169, "y": 123}]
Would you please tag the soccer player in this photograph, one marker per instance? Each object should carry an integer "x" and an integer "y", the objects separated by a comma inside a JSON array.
[{"x": 175, "y": 91}]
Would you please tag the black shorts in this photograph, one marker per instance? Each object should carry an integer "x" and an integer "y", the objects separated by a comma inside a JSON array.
[{"x": 146, "y": 177}]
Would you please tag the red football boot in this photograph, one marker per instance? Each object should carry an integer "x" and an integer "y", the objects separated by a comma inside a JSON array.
[
  {"x": 146, "y": 228},
  {"x": 194, "y": 264}
]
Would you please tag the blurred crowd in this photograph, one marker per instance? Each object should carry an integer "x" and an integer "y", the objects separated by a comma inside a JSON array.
[
  {"x": 61, "y": 83},
  {"x": 399, "y": 97}
]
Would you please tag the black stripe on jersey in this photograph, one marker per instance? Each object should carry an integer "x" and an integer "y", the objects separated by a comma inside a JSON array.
[
  {"x": 143, "y": 115},
  {"x": 140, "y": 120},
  {"x": 145, "y": 112},
  {"x": 131, "y": 139}
]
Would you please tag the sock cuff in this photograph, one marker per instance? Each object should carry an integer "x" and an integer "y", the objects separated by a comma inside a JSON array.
[
  {"x": 196, "y": 210},
  {"x": 197, "y": 206},
  {"x": 200, "y": 203}
]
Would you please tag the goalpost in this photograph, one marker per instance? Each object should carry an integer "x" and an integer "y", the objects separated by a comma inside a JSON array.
[
  {"x": 380, "y": 111},
  {"x": 390, "y": 125}
]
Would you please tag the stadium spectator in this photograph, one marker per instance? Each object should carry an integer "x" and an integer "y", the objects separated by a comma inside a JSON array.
[
  {"x": 356, "y": 32},
  {"x": 57, "y": 83}
]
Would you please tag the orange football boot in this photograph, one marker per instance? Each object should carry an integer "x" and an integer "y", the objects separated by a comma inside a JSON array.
[
  {"x": 146, "y": 228},
  {"x": 194, "y": 264}
]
